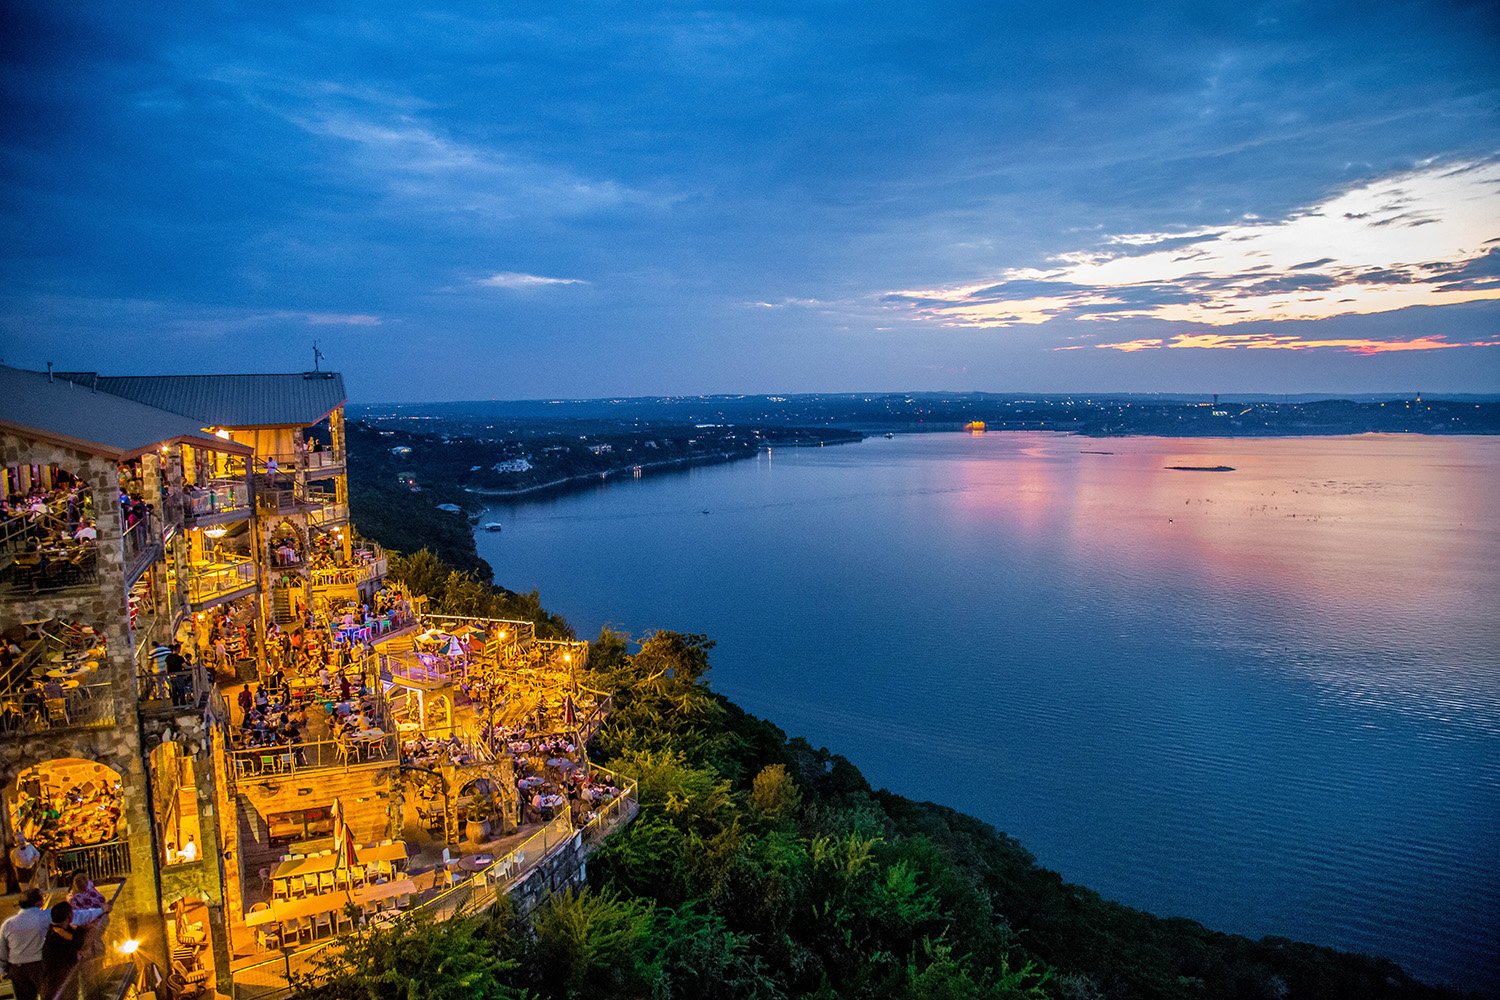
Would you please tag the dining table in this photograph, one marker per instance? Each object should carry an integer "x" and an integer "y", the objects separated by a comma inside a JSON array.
[{"x": 283, "y": 910}]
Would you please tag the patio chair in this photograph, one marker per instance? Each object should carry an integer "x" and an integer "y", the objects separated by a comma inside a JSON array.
[
  {"x": 325, "y": 882},
  {"x": 265, "y": 879},
  {"x": 267, "y": 940},
  {"x": 323, "y": 925},
  {"x": 341, "y": 877},
  {"x": 296, "y": 888}
]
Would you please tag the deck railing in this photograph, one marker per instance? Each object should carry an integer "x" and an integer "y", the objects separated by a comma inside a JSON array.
[
  {"x": 268, "y": 980},
  {"x": 142, "y": 543},
  {"x": 221, "y": 496},
  {"x": 283, "y": 759},
  {"x": 613, "y": 814},
  {"x": 100, "y": 862},
  {"x": 206, "y": 585},
  {"x": 88, "y": 706},
  {"x": 161, "y": 691}
]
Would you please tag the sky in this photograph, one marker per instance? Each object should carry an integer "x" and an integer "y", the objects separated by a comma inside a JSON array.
[{"x": 514, "y": 201}]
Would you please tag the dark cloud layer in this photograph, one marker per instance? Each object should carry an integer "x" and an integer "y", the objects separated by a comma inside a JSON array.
[{"x": 181, "y": 182}]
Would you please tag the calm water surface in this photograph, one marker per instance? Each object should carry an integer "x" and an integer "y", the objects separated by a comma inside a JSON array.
[{"x": 1268, "y": 699}]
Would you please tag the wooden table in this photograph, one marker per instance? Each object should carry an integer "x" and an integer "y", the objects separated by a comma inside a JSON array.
[
  {"x": 284, "y": 910},
  {"x": 318, "y": 863}
]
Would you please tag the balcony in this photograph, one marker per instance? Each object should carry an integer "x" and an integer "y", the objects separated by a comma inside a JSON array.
[
  {"x": 215, "y": 583},
  {"x": 324, "y": 510},
  {"x": 369, "y": 566},
  {"x": 322, "y": 464},
  {"x": 32, "y": 711},
  {"x": 288, "y": 759},
  {"x": 220, "y": 502}
]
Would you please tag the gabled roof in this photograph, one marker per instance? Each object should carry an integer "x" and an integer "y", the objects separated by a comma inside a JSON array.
[
  {"x": 297, "y": 399},
  {"x": 100, "y": 423}
]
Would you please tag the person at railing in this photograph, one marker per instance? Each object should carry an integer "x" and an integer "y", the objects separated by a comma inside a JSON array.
[
  {"x": 85, "y": 895},
  {"x": 21, "y": 940}
]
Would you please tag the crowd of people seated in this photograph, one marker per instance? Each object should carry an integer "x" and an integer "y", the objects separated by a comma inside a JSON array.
[{"x": 53, "y": 533}]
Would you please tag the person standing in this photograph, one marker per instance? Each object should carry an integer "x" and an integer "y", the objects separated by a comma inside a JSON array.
[
  {"x": 23, "y": 859},
  {"x": 21, "y": 940},
  {"x": 60, "y": 949}
]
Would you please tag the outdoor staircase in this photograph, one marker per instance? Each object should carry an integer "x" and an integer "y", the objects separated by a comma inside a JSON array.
[{"x": 281, "y": 606}]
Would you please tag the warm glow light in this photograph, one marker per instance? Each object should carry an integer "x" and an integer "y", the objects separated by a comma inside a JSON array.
[{"x": 128, "y": 947}]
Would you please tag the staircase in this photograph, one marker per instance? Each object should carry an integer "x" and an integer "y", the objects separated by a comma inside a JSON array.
[{"x": 281, "y": 606}]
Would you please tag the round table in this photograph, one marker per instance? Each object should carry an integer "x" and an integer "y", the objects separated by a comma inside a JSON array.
[{"x": 475, "y": 862}]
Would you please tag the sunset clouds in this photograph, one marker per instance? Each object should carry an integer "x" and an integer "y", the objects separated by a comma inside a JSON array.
[{"x": 1430, "y": 237}]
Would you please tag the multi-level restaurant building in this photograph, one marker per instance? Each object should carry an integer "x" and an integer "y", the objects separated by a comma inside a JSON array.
[{"x": 317, "y": 753}]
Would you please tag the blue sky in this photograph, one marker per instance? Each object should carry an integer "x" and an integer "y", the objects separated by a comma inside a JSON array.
[{"x": 519, "y": 201}]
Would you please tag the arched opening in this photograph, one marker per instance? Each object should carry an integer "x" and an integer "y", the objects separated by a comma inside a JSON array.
[
  {"x": 47, "y": 530},
  {"x": 73, "y": 811}
]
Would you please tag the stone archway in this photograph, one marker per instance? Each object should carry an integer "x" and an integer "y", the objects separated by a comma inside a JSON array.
[{"x": 73, "y": 810}]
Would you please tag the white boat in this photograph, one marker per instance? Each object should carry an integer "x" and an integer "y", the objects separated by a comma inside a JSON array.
[{"x": 492, "y": 526}]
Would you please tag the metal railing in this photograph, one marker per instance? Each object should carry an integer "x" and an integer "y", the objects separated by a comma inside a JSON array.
[
  {"x": 221, "y": 496},
  {"x": 87, "y": 706},
  {"x": 161, "y": 691},
  {"x": 613, "y": 814},
  {"x": 476, "y": 893},
  {"x": 326, "y": 514},
  {"x": 322, "y": 461},
  {"x": 206, "y": 585},
  {"x": 588, "y": 725},
  {"x": 142, "y": 544},
  {"x": 285, "y": 759},
  {"x": 30, "y": 573},
  {"x": 361, "y": 572},
  {"x": 100, "y": 862}
]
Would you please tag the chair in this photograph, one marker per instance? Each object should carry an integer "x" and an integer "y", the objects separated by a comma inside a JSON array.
[
  {"x": 341, "y": 878},
  {"x": 323, "y": 925},
  {"x": 268, "y": 763},
  {"x": 268, "y": 940},
  {"x": 296, "y": 888},
  {"x": 265, "y": 880},
  {"x": 325, "y": 882},
  {"x": 57, "y": 711}
]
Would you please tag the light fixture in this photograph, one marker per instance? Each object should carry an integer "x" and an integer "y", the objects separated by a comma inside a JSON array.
[
  {"x": 129, "y": 946},
  {"x": 216, "y": 532}
]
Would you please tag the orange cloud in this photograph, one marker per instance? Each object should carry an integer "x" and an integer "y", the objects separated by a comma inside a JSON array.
[
  {"x": 1415, "y": 239},
  {"x": 1276, "y": 342}
]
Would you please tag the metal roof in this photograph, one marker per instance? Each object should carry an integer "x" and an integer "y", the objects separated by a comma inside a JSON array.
[
  {"x": 55, "y": 409},
  {"x": 297, "y": 399}
]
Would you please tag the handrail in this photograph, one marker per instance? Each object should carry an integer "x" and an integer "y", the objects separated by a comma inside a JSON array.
[
  {"x": 84, "y": 707},
  {"x": 267, "y": 980},
  {"x": 205, "y": 585},
  {"x": 278, "y": 760}
]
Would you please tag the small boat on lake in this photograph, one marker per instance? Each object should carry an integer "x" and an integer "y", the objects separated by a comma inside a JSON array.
[{"x": 492, "y": 526}]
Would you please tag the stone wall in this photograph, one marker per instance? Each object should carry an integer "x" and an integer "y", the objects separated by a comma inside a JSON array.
[{"x": 102, "y": 605}]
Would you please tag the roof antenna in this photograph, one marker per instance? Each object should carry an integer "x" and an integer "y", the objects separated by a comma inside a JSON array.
[
  {"x": 317, "y": 356},
  {"x": 49, "y": 371}
]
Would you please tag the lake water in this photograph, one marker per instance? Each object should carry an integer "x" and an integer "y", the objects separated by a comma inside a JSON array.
[{"x": 1268, "y": 699}]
